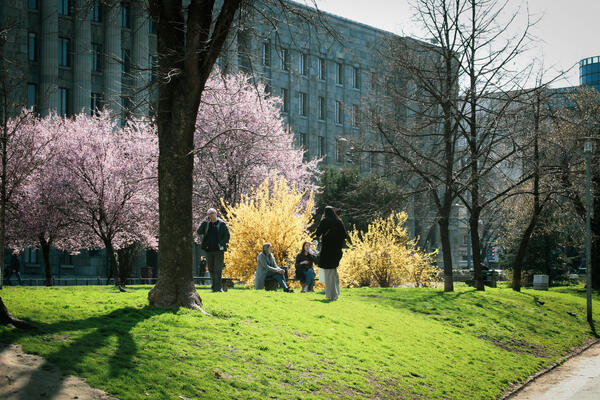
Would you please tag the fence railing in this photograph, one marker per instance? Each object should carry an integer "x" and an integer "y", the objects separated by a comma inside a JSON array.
[{"x": 90, "y": 281}]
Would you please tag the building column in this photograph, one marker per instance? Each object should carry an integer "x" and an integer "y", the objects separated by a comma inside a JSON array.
[
  {"x": 112, "y": 55},
  {"x": 82, "y": 76},
  {"x": 48, "y": 92},
  {"x": 140, "y": 64}
]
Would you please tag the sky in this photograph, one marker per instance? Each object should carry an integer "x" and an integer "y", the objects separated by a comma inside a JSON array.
[{"x": 567, "y": 30}]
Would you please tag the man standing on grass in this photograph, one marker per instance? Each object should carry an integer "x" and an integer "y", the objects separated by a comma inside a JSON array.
[{"x": 214, "y": 236}]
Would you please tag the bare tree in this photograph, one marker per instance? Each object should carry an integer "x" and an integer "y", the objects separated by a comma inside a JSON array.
[{"x": 420, "y": 127}]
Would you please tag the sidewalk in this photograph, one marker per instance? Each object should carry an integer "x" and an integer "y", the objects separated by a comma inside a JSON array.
[{"x": 576, "y": 379}]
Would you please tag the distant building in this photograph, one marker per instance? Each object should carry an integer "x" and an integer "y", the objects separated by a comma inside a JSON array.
[{"x": 589, "y": 72}]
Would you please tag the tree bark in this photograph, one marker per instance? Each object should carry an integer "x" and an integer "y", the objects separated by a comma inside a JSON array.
[
  {"x": 188, "y": 49},
  {"x": 7, "y": 319},
  {"x": 45, "y": 245},
  {"x": 446, "y": 253}
]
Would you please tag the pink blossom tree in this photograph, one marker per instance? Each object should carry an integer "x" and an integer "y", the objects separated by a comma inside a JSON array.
[
  {"x": 36, "y": 220},
  {"x": 110, "y": 173},
  {"x": 23, "y": 147},
  {"x": 240, "y": 140}
]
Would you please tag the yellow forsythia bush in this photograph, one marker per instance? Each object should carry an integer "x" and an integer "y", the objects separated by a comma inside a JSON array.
[
  {"x": 275, "y": 213},
  {"x": 385, "y": 256}
]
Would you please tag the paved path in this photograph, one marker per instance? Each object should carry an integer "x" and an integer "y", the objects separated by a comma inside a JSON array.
[{"x": 576, "y": 379}]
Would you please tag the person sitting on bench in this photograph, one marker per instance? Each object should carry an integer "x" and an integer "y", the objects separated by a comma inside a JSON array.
[
  {"x": 304, "y": 267},
  {"x": 267, "y": 268}
]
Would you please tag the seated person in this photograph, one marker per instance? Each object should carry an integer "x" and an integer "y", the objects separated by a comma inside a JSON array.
[
  {"x": 267, "y": 268},
  {"x": 304, "y": 267}
]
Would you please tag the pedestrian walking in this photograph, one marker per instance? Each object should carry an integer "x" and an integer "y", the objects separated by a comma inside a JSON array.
[
  {"x": 214, "y": 236},
  {"x": 333, "y": 237},
  {"x": 14, "y": 268}
]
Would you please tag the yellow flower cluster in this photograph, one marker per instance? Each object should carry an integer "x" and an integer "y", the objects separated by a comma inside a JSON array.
[
  {"x": 385, "y": 256},
  {"x": 274, "y": 213}
]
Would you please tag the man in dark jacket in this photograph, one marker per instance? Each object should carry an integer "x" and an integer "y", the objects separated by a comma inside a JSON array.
[
  {"x": 214, "y": 236},
  {"x": 15, "y": 268}
]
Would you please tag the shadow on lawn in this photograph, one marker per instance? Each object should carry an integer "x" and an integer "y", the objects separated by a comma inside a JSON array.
[{"x": 118, "y": 323}]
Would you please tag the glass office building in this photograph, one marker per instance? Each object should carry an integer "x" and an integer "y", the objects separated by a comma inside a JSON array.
[{"x": 589, "y": 72}]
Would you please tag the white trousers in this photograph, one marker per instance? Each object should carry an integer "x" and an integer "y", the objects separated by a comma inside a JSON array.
[{"x": 332, "y": 283}]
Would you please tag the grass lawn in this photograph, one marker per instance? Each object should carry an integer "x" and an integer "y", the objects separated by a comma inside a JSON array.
[{"x": 371, "y": 343}]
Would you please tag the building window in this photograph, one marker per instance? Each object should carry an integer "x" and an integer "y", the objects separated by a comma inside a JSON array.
[
  {"x": 32, "y": 4},
  {"x": 355, "y": 78},
  {"x": 63, "y": 101},
  {"x": 32, "y": 46},
  {"x": 63, "y": 7},
  {"x": 322, "y": 149},
  {"x": 95, "y": 103},
  {"x": 125, "y": 15},
  {"x": 284, "y": 99},
  {"x": 32, "y": 96},
  {"x": 64, "y": 47},
  {"x": 322, "y": 109},
  {"x": 153, "y": 68},
  {"x": 339, "y": 73},
  {"x": 31, "y": 256},
  {"x": 372, "y": 161},
  {"x": 355, "y": 115},
  {"x": 95, "y": 11},
  {"x": 303, "y": 64},
  {"x": 153, "y": 27},
  {"x": 266, "y": 54},
  {"x": 96, "y": 57},
  {"x": 321, "y": 69},
  {"x": 304, "y": 141},
  {"x": 339, "y": 112},
  {"x": 339, "y": 150},
  {"x": 302, "y": 104},
  {"x": 126, "y": 61},
  {"x": 285, "y": 59}
]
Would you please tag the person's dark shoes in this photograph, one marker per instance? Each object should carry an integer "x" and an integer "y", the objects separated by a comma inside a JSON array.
[
  {"x": 218, "y": 291},
  {"x": 311, "y": 290},
  {"x": 288, "y": 290}
]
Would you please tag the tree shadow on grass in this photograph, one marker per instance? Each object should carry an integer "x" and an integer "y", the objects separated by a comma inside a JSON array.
[{"x": 72, "y": 354}]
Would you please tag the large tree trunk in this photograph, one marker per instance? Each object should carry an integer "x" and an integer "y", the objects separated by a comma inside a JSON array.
[
  {"x": 114, "y": 263},
  {"x": 45, "y": 245},
  {"x": 7, "y": 319},
  {"x": 188, "y": 46},
  {"x": 446, "y": 254}
]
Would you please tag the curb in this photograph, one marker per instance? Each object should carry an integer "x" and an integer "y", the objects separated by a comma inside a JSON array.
[{"x": 551, "y": 367}]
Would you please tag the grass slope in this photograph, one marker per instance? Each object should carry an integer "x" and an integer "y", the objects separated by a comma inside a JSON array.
[{"x": 371, "y": 343}]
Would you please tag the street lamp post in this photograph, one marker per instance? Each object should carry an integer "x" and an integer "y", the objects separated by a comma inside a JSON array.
[{"x": 588, "y": 151}]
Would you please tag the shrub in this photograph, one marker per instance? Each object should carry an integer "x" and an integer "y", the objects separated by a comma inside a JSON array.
[
  {"x": 385, "y": 256},
  {"x": 275, "y": 213}
]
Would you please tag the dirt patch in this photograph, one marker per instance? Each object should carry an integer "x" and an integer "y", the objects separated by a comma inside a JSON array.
[
  {"x": 518, "y": 346},
  {"x": 25, "y": 376}
]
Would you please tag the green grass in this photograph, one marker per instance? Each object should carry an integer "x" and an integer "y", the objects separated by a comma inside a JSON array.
[{"x": 371, "y": 343}]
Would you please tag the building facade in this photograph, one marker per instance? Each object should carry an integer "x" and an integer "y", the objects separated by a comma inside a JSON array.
[{"x": 589, "y": 72}]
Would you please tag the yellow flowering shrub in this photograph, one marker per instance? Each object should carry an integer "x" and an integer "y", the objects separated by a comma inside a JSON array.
[
  {"x": 385, "y": 256},
  {"x": 275, "y": 213}
]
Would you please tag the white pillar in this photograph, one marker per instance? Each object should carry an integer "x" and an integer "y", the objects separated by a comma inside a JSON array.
[
  {"x": 82, "y": 76},
  {"x": 112, "y": 53},
  {"x": 48, "y": 92},
  {"x": 140, "y": 64}
]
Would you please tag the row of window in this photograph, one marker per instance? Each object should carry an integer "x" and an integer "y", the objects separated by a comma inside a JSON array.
[
  {"x": 303, "y": 66},
  {"x": 340, "y": 149},
  {"x": 64, "y": 99},
  {"x": 64, "y": 53},
  {"x": 96, "y": 15},
  {"x": 303, "y": 106}
]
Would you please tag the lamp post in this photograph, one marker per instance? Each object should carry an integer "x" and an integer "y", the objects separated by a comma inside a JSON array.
[{"x": 588, "y": 151}]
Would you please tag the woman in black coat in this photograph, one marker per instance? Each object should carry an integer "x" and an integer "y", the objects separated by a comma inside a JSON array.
[{"x": 333, "y": 237}]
